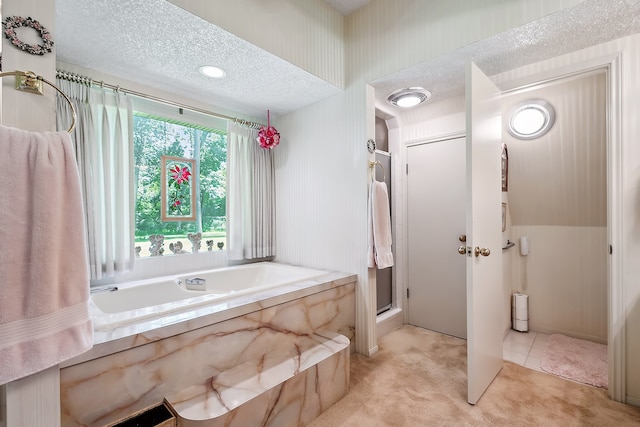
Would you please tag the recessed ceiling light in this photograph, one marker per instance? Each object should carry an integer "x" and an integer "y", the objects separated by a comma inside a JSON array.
[
  {"x": 409, "y": 97},
  {"x": 531, "y": 119},
  {"x": 213, "y": 72}
]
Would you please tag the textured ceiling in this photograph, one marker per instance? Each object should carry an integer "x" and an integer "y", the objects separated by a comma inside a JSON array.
[
  {"x": 145, "y": 41},
  {"x": 345, "y": 7},
  {"x": 589, "y": 23}
]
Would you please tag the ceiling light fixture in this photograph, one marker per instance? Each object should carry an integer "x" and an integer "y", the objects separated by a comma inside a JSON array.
[
  {"x": 531, "y": 119},
  {"x": 409, "y": 97},
  {"x": 212, "y": 71}
]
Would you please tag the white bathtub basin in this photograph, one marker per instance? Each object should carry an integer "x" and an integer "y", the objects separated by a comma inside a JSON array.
[{"x": 153, "y": 298}]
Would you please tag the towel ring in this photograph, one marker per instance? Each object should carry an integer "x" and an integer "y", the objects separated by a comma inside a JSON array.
[
  {"x": 30, "y": 84},
  {"x": 373, "y": 165}
]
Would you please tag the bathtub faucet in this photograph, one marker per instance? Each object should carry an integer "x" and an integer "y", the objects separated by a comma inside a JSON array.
[
  {"x": 195, "y": 284},
  {"x": 103, "y": 289}
]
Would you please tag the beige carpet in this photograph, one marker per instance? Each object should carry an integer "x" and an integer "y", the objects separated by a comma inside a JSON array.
[{"x": 418, "y": 378}]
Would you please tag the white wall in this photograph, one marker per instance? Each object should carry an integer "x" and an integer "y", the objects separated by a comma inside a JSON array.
[
  {"x": 565, "y": 276},
  {"x": 560, "y": 179}
]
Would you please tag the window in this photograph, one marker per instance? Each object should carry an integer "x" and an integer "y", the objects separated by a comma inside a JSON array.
[{"x": 157, "y": 136}]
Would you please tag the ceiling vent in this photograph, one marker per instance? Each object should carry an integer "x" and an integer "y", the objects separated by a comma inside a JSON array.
[{"x": 410, "y": 97}]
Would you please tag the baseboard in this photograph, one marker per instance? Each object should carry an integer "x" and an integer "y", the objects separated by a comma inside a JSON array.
[
  {"x": 388, "y": 321},
  {"x": 372, "y": 351},
  {"x": 548, "y": 331},
  {"x": 634, "y": 401}
]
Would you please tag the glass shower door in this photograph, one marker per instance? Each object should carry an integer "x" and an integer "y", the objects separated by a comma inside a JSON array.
[{"x": 384, "y": 277}]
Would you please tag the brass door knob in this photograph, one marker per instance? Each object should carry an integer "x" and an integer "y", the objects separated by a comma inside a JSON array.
[
  {"x": 462, "y": 237},
  {"x": 462, "y": 250},
  {"x": 481, "y": 251}
]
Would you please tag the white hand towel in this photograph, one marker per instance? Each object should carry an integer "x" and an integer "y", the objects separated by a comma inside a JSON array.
[
  {"x": 44, "y": 279},
  {"x": 380, "y": 238},
  {"x": 371, "y": 257}
]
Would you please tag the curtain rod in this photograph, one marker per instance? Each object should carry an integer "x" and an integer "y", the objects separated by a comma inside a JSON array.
[{"x": 65, "y": 75}]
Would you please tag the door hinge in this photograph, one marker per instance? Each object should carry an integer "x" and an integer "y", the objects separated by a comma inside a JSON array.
[
  {"x": 407, "y": 292},
  {"x": 610, "y": 250},
  {"x": 407, "y": 168}
]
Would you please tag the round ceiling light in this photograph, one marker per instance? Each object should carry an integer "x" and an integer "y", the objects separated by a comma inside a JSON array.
[
  {"x": 212, "y": 71},
  {"x": 409, "y": 97},
  {"x": 531, "y": 119}
]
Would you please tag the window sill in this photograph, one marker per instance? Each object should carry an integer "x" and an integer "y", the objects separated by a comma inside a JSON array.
[{"x": 149, "y": 267}]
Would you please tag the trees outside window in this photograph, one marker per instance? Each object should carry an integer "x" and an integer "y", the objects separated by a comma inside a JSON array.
[{"x": 155, "y": 137}]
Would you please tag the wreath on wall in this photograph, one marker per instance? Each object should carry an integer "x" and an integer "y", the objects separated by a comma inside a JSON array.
[{"x": 12, "y": 22}]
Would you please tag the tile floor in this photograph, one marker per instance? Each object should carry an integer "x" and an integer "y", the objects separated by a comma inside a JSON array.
[{"x": 524, "y": 348}]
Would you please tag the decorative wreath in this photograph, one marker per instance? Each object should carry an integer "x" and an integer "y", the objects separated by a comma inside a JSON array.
[
  {"x": 13, "y": 22},
  {"x": 268, "y": 136}
]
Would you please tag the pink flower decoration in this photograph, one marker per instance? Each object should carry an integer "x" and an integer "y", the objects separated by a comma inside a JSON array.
[
  {"x": 179, "y": 174},
  {"x": 268, "y": 136}
]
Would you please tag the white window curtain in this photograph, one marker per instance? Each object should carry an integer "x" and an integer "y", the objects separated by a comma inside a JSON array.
[
  {"x": 103, "y": 140},
  {"x": 250, "y": 195}
]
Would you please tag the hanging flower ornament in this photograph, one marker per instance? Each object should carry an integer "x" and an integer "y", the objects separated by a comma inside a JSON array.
[
  {"x": 12, "y": 22},
  {"x": 178, "y": 192},
  {"x": 268, "y": 136}
]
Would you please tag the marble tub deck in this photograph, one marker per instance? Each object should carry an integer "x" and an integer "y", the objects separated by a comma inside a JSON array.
[
  {"x": 128, "y": 335},
  {"x": 135, "y": 366}
]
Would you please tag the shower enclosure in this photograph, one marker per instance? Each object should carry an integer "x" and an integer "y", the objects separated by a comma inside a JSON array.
[{"x": 384, "y": 277}]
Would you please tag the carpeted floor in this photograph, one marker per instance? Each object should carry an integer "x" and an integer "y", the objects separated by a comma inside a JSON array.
[{"x": 418, "y": 378}]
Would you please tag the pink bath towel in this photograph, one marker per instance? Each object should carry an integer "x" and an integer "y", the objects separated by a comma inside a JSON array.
[
  {"x": 379, "y": 248},
  {"x": 44, "y": 279}
]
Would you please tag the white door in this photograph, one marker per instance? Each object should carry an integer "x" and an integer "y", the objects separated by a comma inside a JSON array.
[
  {"x": 485, "y": 300},
  {"x": 436, "y": 218}
]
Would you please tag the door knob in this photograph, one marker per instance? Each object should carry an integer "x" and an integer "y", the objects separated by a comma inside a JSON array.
[
  {"x": 462, "y": 250},
  {"x": 462, "y": 238},
  {"x": 481, "y": 251}
]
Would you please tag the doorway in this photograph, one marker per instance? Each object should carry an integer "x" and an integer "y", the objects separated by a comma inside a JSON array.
[{"x": 557, "y": 198}]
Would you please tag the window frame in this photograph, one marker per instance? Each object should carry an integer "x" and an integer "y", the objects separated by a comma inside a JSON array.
[{"x": 164, "y": 112}]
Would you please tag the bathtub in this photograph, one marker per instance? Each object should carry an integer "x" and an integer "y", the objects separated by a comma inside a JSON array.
[
  {"x": 156, "y": 298},
  {"x": 154, "y": 338}
]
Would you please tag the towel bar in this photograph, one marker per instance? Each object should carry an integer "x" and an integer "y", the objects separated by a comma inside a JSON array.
[
  {"x": 509, "y": 244},
  {"x": 372, "y": 165},
  {"x": 31, "y": 82}
]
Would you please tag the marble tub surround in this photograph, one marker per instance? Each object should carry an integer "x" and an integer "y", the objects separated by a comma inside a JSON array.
[
  {"x": 138, "y": 370},
  {"x": 290, "y": 386}
]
